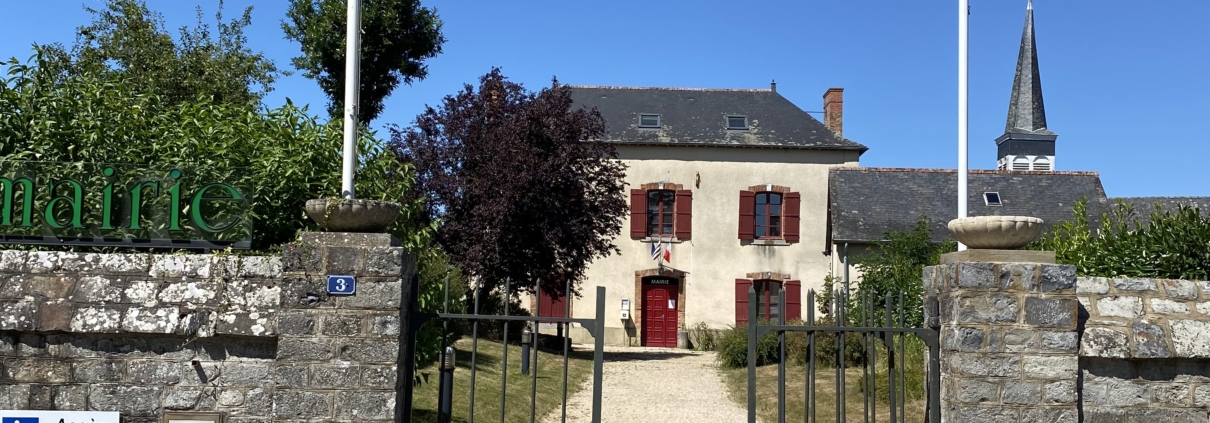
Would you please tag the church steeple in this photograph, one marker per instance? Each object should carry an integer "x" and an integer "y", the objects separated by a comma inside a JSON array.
[{"x": 1027, "y": 144}]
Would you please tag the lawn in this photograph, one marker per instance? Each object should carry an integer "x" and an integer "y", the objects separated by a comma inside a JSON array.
[
  {"x": 487, "y": 384},
  {"x": 825, "y": 390}
]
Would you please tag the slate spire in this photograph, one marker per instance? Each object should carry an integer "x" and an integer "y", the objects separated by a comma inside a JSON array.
[
  {"x": 1026, "y": 143},
  {"x": 1026, "y": 111}
]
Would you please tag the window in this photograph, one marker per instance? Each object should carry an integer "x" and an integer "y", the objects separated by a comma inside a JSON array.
[
  {"x": 737, "y": 122},
  {"x": 768, "y": 215},
  {"x": 649, "y": 121},
  {"x": 991, "y": 199},
  {"x": 768, "y": 299},
  {"x": 661, "y": 212}
]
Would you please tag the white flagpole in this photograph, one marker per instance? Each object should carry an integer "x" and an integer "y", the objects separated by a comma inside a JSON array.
[
  {"x": 352, "y": 88},
  {"x": 963, "y": 109}
]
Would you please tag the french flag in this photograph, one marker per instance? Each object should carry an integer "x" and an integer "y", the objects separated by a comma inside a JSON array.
[{"x": 660, "y": 249}]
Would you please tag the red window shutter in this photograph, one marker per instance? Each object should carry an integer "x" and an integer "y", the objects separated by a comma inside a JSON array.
[
  {"x": 790, "y": 211},
  {"x": 741, "y": 300},
  {"x": 638, "y": 213},
  {"x": 747, "y": 215},
  {"x": 684, "y": 214},
  {"x": 793, "y": 300}
]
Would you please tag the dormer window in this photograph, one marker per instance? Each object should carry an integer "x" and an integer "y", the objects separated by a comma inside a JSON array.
[
  {"x": 737, "y": 122},
  {"x": 991, "y": 199},
  {"x": 649, "y": 121}
]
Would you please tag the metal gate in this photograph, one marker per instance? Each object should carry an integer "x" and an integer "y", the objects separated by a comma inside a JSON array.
[
  {"x": 889, "y": 329},
  {"x": 412, "y": 320}
]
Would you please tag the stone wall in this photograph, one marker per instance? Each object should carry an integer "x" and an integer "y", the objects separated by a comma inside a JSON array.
[
  {"x": 257, "y": 338},
  {"x": 1145, "y": 349},
  {"x": 1026, "y": 342},
  {"x": 1008, "y": 341}
]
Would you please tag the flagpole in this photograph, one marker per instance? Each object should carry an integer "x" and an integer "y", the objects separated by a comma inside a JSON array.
[
  {"x": 352, "y": 89},
  {"x": 963, "y": 107}
]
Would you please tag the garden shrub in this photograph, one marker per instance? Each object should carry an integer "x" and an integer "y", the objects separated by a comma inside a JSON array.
[
  {"x": 1172, "y": 245},
  {"x": 703, "y": 337},
  {"x": 733, "y": 348}
]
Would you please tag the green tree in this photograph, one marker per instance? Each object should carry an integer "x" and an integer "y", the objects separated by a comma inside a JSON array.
[
  {"x": 131, "y": 41},
  {"x": 894, "y": 267},
  {"x": 397, "y": 37},
  {"x": 284, "y": 155}
]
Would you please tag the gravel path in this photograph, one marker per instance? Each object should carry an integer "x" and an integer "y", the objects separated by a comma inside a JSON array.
[{"x": 656, "y": 385}]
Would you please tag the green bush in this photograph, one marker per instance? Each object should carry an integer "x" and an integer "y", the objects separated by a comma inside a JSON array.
[
  {"x": 703, "y": 337},
  {"x": 1172, "y": 245},
  {"x": 733, "y": 348},
  {"x": 825, "y": 347}
]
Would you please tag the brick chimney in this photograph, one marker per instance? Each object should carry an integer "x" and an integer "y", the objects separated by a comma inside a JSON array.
[{"x": 833, "y": 110}]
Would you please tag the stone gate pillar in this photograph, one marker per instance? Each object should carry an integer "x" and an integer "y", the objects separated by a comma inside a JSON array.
[{"x": 1009, "y": 344}]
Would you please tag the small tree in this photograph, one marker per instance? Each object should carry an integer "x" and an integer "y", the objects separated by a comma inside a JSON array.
[
  {"x": 128, "y": 39},
  {"x": 397, "y": 37},
  {"x": 520, "y": 182},
  {"x": 895, "y": 267}
]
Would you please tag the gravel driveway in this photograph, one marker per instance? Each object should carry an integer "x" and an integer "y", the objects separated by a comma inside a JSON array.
[{"x": 656, "y": 384}]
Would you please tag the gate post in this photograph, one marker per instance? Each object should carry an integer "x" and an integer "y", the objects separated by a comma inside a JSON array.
[
  {"x": 1008, "y": 339},
  {"x": 409, "y": 326}
]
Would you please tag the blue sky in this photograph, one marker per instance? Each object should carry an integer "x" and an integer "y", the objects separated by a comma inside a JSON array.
[{"x": 1125, "y": 82}]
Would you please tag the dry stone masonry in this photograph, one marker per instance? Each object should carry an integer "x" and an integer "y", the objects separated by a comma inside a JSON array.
[
  {"x": 255, "y": 337},
  {"x": 1024, "y": 342},
  {"x": 1145, "y": 349}
]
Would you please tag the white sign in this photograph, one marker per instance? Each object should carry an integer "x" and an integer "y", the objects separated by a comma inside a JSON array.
[{"x": 41, "y": 416}]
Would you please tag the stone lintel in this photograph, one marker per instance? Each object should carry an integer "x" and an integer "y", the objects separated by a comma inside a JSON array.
[{"x": 999, "y": 256}]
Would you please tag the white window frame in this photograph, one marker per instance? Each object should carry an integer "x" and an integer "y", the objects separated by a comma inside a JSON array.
[
  {"x": 659, "y": 120},
  {"x": 999, "y": 202}
]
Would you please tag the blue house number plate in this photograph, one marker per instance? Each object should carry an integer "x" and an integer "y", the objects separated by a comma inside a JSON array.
[{"x": 342, "y": 285}]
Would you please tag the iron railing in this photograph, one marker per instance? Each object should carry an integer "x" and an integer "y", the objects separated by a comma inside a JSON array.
[
  {"x": 416, "y": 319},
  {"x": 891, "y": 329}
]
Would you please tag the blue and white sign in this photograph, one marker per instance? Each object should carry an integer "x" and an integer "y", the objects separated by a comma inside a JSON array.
[
  {"x": 40, "y": 416},
  {"x": 339, "y": 285}
]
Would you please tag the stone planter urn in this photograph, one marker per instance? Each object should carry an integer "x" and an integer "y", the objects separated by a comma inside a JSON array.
[
  {"x": 996, "y": 232},
  {"x": 357, "y": 215}
]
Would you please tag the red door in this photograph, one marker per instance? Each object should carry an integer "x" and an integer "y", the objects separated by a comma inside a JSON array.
[{"x": 660, "y": 313}]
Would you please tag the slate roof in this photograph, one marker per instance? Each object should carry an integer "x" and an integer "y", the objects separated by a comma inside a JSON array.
[
  {"x": 1143, "y": 206},
  {"x": 1026, "y": 110},
  {"x": 864, "y": 203},
  {"x": 696, "y": 117}
]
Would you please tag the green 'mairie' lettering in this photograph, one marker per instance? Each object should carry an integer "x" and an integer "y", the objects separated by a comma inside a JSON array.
[
  {"x": 136, "y": 200},
  {"x": 107, "y": 201},
  {"x": 174, "y": 221},
  {"x": 27, "y": 206},
  {"x": 133, "y": 207},
  {"x": 196, "y": 209},
  {"x": 76, "y": 201}
]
